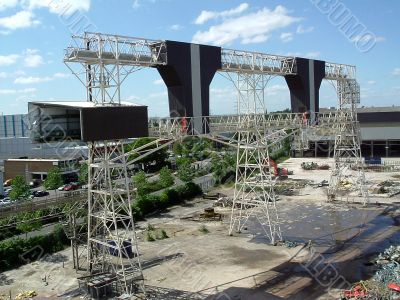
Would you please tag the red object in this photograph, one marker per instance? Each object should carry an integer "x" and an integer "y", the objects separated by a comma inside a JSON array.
[
  {"x": 357, "y": 291},
  {"x": 394, "y": 287},
  {"x": 277, "y": 171},
  {"x": 68, "y": 188},
  {"x": 184, "y": 125}
]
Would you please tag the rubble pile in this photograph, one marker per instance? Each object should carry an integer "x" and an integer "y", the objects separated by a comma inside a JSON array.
[
  {"x": 387, "y": 187},
  {"x": 314, "y": 166},
  {"x": 385, "y": 283}
]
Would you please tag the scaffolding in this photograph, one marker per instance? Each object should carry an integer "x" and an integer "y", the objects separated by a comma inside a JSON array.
[
  {"x": 254, "y": 196},
  {"x": 104, "y": 62},
  {"x": 348, "y": 164}
]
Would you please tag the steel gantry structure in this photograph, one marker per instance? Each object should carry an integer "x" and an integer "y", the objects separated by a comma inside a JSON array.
[{"x": 104, "y": 62}]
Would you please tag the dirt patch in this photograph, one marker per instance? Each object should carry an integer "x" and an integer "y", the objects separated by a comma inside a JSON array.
[{"x": 251, "y": 258}]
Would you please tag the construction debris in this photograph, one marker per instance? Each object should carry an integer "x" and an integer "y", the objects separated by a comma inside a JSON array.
[
  {"x": 210, "y": 214},
  {"x": 223, "y": 202},
  {"x": 290, "y": 244},
  {"x": 391, "y": 254},
  {"x": 308, "y": 166},
  {"x": 388, "y": 188},
  {"x": 26, "y": 295},
  {"x": 385, "y": 284}
]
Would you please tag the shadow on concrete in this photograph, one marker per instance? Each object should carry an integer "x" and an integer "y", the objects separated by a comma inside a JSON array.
[
  {"x": 320, "y": 273},
  {"x": 4, "y": 280},
  {"x": 159, "y": 260}
]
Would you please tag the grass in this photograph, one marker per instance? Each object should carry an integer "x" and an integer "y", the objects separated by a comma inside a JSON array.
[
  {"x": 150, "y": 237},
  {"x": 203, "y": 229},
  {"x": 163, "y": 235}
]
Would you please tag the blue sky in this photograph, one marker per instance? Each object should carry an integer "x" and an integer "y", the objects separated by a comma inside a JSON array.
[{"x": 34, "y": 34}]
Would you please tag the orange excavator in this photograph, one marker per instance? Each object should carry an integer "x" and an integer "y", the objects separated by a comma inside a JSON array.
[{"x": 278, "y": 172}]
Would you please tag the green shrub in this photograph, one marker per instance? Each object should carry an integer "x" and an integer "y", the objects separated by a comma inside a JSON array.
[
  {"x": 204, "y": 229},
  {"x": 150, "y": 237},
  {"x": 164, "y": 234},
  {"x": 150, "y": 203},
  {"x": 16, "y": 252}
]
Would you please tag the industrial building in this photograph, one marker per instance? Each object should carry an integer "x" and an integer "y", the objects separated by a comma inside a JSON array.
[
  {"x": 380, "y": 133},
  {"x": 16, "y": 142},
  {"x": 37, "y": 169}
]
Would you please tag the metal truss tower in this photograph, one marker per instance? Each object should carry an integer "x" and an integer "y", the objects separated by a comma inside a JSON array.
[
  {"x": 112, "y": 243},
  {"x": 348, "y": 164},
  {"x": 112, "y": 248},
  {"x": 254, "y": 196}
]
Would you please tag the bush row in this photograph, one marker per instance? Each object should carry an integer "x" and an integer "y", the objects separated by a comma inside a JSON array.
[
  {"x": 153, "y": 202},
  {"x": 16, "y": 252}
]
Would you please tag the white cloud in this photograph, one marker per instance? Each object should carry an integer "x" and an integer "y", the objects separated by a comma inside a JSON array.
[
  {"x": 367, "y": 38},
  {"x": 14, "y": 74},
  {"x": 5, "y": 4},
  {"x": 286, "y": 37},
  {"x": 276, "y": 89},
  {"x": 223, "y": 93},
  {"x": 313, "y": 54},
  {"x": 251, "y": 28},
  {"x": 158, "y": 95},
  {"x": 59, "y": 7},
  {"x": 7, "y": 60},
  {"x": 32, "y": 58},
  {"x": 136, "y": 4},
  {"x": 158, "y": 81},
  {"x": 176, "y": 27},
  {"x": 396, "y": 72},
  {"x": 31, "y": 80},
  {"x": 255, "y": 39},
  {"x": 61, "y": 75},
  {"x": 371, "y": 82},
  {"x": 13, "y": 91},
  {"x": 207, "y": 15},
  {"x": 22, "y": 19},
  {"x": 301, "y": 29}
]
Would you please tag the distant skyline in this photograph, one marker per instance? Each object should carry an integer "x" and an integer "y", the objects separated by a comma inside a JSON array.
[{"x": 34, "y": 34}]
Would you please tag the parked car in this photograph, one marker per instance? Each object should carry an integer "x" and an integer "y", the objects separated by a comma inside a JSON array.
[
  {"x": 5, "y": 201},
  {"x": 40, "y": 193},
  {"x": 8, "y": 182},
  {"x": 34, "y": 183},
  {"x": 7, "y": 191},
  {"x": 71, "y": 187},
  {"x": 61, "y": 188}
]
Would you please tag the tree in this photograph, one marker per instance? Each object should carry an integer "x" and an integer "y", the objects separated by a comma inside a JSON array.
[
  {"x": 26, "y": 227},
  {"x": 223, "y": 167},
  {"x": 185, "y": 171},
  {"x": 159, "y": 157},
  {"x": 20, "y": 188},
  {"x": 166, "y": 178},
  {"x": 141, "y": 183},
  {"x": 54, "y": 179},
  {"x": 83, "y": 173}
]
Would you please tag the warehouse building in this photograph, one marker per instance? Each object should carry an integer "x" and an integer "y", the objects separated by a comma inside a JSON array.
[
  {"x": 34, "y": 169},
  {"x": 380, "y": 133},
  {"x": 15, "y": 142}
]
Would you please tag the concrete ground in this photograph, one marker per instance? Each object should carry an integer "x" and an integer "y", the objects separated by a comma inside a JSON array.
[{"x": 336, "y": 243}]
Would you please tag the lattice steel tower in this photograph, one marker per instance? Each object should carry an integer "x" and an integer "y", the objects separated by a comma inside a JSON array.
[
  {"x": 348, "y": 163},
  {"x": 254, "y": 196},
  {"x": 112, "y": 245}
]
